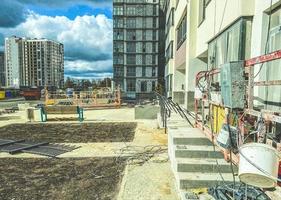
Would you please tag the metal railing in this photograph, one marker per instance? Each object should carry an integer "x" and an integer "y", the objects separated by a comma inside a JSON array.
[{"x": 167, "y": 106}]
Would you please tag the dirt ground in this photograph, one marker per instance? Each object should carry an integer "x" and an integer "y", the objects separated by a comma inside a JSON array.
[
  {"x": 71, "y": 133},
  {"x": 151, "y": 181},
  {"x": 35, "y": 178}
]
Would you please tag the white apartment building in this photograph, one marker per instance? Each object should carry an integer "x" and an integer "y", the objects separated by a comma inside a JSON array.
[
  {"x": 13, "y": 61},
  {"x": 34, "y": 62},
  {"x": 209, "y": 33}
]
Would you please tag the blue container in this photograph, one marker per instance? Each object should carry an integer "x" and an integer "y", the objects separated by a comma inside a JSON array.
[{"x": 9, "y": 94}]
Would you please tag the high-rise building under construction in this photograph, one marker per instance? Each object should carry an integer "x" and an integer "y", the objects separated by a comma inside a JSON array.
[
  {"x": 138, "y": 46},
  {"x": 33, "y": 62}
]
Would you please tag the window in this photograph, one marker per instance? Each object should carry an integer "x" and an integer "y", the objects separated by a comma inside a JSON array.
[
  {"x": 131, "y": 71},
  {"x": 143, "y": 60},
  {"x": 154, "y": 59},
  {"x": 131, "y": 23},
  {"x": 118, "y": 59},
  {"x": 170, "y": 21},
  {"x": 169, "y": 51},
  {"x": 118, "y": 34},
  {"x": 131, "y": 85},
  {"x": 154, "y": 37},
  {"x": 131, "y": 10},
  {"x": 154, "y": 47},
  {"x": 118, "y": 47},
  {"x": 231, "y": 44},
  {"x": 118, "y": 23},
  {"x": 143, "y": 86},
  {"x": 270, "y": 96},
  {"x": 149, "y": 10},
  {"x": 131, "y": 59},
  {"x": 181, "y": 32},
  {"x": 131, "y": 47},
  {"x": 143, "y": 71},
  {"x": 202, "y": 10},
  {"x": 153, "y": 86},
  {"x": 140, "y": 10},
  {"x": 118, "y": 10},
  {"x": 153, "y": 71},
  {"x": 154, "y": 10},
  {"x": 131, "y": 35},
  {"x": 154, "y": 23},
  {"x": 201, "y": 15},
  {"x": 118, "y": 71},
  {"x": 149, "y": 22}
]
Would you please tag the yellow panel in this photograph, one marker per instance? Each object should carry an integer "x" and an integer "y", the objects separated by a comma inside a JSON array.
[
  {"x": 219, "y": 117},
  {"x": 50, "y": 102},
  {"x": 2, "y": 94}
]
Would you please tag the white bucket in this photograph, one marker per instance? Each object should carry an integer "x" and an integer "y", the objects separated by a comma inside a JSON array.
[{"x": 265, "y": 158}]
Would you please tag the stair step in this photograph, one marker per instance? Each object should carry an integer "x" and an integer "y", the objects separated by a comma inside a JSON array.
[
  {"x": 184, "y": 135},
  {"x": 191, "y": 180},
  {"x": 192, "y": 141},
  {"x": 190, "y": 151},
  {"x": 202, "y": 165}
]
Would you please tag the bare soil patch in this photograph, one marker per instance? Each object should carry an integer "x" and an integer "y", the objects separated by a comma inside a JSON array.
[
  {"x": 72, "y": 178},
  {"x": 71, "y": 132}
]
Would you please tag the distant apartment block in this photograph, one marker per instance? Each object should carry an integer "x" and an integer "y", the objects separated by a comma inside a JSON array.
[
  {"x": 2, "y": 69},
  {"x": 33, "y": 62},
  {"x": 138, "y": 46}
]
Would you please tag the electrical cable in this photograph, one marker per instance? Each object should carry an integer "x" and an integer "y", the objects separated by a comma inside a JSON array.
[
  {"x": 267, "y": 38},
  {"x": 213, "y": 142}
]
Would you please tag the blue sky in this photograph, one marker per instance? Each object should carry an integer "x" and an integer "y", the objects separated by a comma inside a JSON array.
[{"x": 83, "y": 26}]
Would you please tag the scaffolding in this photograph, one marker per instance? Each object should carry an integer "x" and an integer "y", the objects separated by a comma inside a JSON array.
[
  {"x": 208, "y": 111},
  {"x": 98, "y": 98}
]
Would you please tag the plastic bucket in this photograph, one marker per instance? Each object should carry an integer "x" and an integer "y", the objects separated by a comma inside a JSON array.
[{"x": 263, "y": 157}]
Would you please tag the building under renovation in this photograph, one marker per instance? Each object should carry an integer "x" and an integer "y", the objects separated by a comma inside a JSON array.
[
  {"x": 33, "y": 62},
  {"x": 138, "y": 48},
  {"x": 223, "y": 62}
]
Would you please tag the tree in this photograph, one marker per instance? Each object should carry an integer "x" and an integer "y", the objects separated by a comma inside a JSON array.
[{"x": 69, "y": 83}]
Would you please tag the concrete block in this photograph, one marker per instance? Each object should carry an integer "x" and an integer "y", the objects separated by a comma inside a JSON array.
[
  {"x": 188, "y": 151},
  {"x": 202, "y": 165},
  {"x": 185, "y": 135},
  {"x": 191, "y": 180}
]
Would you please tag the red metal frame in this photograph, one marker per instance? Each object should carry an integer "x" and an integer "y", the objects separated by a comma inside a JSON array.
[
  {"x": 267, "y": 115},
  {"x": 264, "y": 58}
]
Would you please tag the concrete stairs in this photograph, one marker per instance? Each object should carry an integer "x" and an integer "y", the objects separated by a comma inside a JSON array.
[{"x": 195, "y": 161}]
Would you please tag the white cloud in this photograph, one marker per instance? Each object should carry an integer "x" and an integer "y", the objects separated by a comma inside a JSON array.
[
  {"x": 98, "y": 66},
  {"x": 87, "y": 39}
]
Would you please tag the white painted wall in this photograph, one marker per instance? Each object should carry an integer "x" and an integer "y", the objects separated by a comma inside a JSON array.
[
  {"x": 259, "y": 36},
  {"x": 219, "y": 15},
  {"x": 12, "y": 63}
]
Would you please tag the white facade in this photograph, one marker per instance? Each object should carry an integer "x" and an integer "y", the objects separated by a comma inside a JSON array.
[
  {"x": 34, "y": 62},
  {"x": 217, "y": 32},
  {"x": 12, "y": 61}
]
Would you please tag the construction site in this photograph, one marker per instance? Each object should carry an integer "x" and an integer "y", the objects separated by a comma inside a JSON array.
[{"x": 203, "y": 125}]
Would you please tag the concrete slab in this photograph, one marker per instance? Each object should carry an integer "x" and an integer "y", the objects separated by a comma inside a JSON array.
[
  {"x": 202, "y": 165},
  {"x": 191, "y": 180}
]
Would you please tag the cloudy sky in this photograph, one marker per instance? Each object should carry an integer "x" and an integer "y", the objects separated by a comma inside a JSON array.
[{"x": 83, "y": 26}]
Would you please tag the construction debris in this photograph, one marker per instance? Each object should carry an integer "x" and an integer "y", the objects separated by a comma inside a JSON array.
[
  {"x": 42, "y": 148},
  {"x": 238, "y": 191}
]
